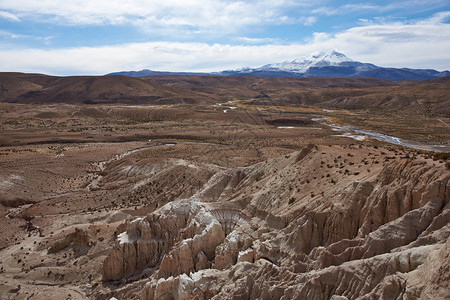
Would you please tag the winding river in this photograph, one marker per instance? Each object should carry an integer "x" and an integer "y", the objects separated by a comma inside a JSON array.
[{"x": 361, "y": 134}]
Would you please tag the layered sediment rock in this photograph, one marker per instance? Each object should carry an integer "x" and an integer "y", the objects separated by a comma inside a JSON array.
[
  {"x": 265, "y": 232},
  {"x": 180, "y": 238}
]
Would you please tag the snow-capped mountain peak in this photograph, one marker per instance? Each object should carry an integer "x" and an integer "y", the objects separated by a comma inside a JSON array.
[
  {"x": 317, "y": 59},
  {"x": 331, "y": 56},
  {"x": 318, "y": 65}
]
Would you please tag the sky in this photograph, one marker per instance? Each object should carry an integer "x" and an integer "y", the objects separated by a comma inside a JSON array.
[{"x": 96, "y": 37}]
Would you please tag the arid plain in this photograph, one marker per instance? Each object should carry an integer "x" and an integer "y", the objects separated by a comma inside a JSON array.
[{"x": 200, "y": 187}]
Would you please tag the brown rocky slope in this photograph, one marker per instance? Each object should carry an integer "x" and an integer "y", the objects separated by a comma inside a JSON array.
[
  {"x": 39, "y": 88},
  {"x": 429, "y": 97},
  {"x": 315, "y": 224}
]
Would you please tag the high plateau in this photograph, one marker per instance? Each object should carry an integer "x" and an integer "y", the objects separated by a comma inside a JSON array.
[{"x": 223, "y": 187}]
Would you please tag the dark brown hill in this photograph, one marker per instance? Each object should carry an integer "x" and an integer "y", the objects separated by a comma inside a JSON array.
[
  {"x": 36, "y": 88},
  {"x": 258, "y": 87},
  {"x": 39, "y": 88},
  {"x": 428, "y": 97},
  {"x": 12, "y": 85},
  {"x": 170, "y": 89},
  {"x": 270, "y": 82}
]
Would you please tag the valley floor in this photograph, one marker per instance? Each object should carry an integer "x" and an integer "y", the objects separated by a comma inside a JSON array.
[{"x": 192, "y": 202}]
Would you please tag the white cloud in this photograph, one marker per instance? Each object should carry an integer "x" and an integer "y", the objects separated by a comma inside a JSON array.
[
  {"x": 424, "y": 44},
  {"x": 436, "y": 18},
  {"x": 9, "y": 16},
  {"x": 320, "y": 36},
  {"x": 409, "y": 5},
  {"x": 195, "y": 14},
  {"x": 327, "y": 11},
  {"x": 15, "y": 36},
  {"x": 167, "y": 56},
  {"x": 349, "y": 8},
  {"x": 4, "y": 33},
  {"x": 308, "y": 21},
  {"x": 249, "y": 40}
]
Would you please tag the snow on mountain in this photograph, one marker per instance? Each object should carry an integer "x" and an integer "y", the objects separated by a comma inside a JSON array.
[
  {"x": 317, "y": 59},
  {"x": 317, "y": 65}
]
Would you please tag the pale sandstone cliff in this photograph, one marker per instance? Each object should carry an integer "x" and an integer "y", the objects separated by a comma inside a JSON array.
[{"x": 284, "y": 229}]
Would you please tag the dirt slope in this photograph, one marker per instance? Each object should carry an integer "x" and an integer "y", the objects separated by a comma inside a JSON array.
[
  {"x": 29, "y": 88},
  {"x": 429, "y": 97}
]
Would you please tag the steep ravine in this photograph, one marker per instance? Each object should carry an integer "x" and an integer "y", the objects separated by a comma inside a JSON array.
[{"x": 315, "y": 224}]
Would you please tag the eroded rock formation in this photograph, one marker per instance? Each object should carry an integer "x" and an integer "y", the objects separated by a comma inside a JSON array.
[{"x": 267, "y": 232}]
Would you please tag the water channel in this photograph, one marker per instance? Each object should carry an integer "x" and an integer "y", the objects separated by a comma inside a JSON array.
[{"x": 360, "y": 134}]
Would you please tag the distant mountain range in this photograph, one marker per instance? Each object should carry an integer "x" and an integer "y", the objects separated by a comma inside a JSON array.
[{"x": 318, "y": 65}]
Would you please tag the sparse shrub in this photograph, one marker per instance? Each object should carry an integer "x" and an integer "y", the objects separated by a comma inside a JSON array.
[{"x": 441, "y": 156}]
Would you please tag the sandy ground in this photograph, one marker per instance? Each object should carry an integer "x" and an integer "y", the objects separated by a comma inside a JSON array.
[{"x": 69, "y": 175}]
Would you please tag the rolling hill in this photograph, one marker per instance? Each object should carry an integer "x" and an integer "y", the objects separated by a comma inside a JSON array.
[
  {"x": 37, "y": 88},
  {"x": 346, "y": 93}
]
